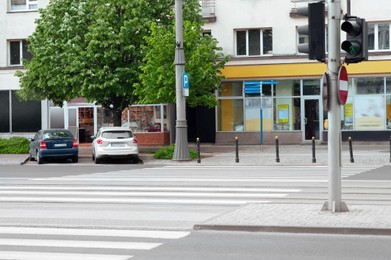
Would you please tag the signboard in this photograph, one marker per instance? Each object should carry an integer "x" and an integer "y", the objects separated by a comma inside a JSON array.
[
  {"x": 185, "y": 84},
  {"x": 343, "y": 85}
]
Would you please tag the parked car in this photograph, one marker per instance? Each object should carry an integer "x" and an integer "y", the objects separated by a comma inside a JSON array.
[
  {"x": 114, "y": 142},
  {"x": 53, "y": 143}
]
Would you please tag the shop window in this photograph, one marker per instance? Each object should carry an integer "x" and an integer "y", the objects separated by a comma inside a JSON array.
[
  {"x": 388, "y": 85},
  {"x": 259, "y": 114},
  {"x": 149, "y": 118},
  {"x": 369, "y": 112},
  {"x": 311, "y": 87},
  {"x": 347, "y": 115},
  {"x": 230, "y": 115},
  {"x": 287, "y": 88},
  {"x": 287, "y": 114},
  {"x": 254, "y": 42},
  {"x": 369, "y": 85},
  {"x": 388, "y": 112},
  {"x": 231, "y": 89}
]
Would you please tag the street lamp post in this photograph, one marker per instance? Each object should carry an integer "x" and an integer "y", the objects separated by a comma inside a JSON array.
[{"x": 181, "y": 152}]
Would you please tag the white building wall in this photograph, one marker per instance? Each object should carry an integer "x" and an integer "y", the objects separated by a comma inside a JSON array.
[{"x": 246, "y": 14}]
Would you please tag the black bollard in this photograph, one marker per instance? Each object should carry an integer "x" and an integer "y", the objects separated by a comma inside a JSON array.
[
  {"x": 390, "y": 149},
  {"x": 277, "y": 151},
  {"x": 313, "y": 150},
  {"x": 236, "y": 149},
  {"x": 198, "y": 151},
  {"x": 351, "y": 150}
]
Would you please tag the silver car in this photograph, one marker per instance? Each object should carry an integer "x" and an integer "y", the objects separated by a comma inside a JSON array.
[{"x": 114, "y": 142}]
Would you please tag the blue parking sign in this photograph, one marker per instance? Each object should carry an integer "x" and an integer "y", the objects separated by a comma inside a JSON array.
[{"x": 185, "y": 84}]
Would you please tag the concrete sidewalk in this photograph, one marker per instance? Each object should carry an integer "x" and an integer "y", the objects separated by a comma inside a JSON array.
[
  {"x": 303, "y": 218},
  {"x": 374, "y": 154}
]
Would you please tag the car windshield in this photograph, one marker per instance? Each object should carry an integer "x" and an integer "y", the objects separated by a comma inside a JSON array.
[
  {"x": 117, "y": 134},
  {"x": 58, "y": 134}
]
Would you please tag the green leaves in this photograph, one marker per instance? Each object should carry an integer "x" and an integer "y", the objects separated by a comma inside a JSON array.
[
  {"x": 204, "y": 60},
  {"x": 118, "y": 52}
]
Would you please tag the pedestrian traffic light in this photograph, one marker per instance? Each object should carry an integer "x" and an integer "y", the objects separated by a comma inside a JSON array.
[
  {"x": 315, "y": 31},
  {"x": 356, "y": 44}
]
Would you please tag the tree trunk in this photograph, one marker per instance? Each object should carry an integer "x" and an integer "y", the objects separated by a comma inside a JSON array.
[{"x": 117, "y": 118}]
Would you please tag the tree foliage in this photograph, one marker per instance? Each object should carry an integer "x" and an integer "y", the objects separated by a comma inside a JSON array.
[
  {"x": 91, "y": 49},
  {"x": 204, "y": 60},
  {"x": 104, "y": 50}
]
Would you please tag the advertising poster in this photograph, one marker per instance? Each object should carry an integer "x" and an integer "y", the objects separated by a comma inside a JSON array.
[{"x": 369, "y": 113}]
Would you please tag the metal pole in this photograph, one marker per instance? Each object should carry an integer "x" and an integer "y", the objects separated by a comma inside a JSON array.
[
  {"x": 390, "y": 149},
  {"x": 351, "y": 150},
  {"x": 181, "y": 152},
  {"x": 334, "y": 113},
  {"x": 198, "y": 151},
  {"x": 236, "y": 149},
  {"x": 277, "y": 151},
  {"x": 313, "y": 150}
]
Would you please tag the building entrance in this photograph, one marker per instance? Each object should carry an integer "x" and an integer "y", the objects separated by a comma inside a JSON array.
[{"x": 311, "y": 119}]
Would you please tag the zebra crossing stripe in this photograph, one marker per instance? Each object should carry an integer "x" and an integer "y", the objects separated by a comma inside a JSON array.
[
  {"x": 78, "y": 244},
  {"x": 95, "y": 232},
  {"x": 129, "y": 200},
  {"x": 166, "y": 188},
  {"x": 143, "y": 194},
  {"x": 12, "y": 255}
]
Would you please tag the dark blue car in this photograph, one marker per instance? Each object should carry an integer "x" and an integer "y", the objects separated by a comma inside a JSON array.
[{"x": 54, "y": 143}]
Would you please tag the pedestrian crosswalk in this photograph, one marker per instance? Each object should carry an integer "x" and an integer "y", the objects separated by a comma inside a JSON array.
[
  {"x": 29, "y": 243},
  {"x": 118, "y": 215}
]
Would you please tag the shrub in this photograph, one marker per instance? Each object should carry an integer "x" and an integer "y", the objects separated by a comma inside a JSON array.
[
  {"x": 14, "y": 145},
  {"x": 167, "y": 152}
]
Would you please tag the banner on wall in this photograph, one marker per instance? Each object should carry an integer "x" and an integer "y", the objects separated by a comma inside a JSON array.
[{"x": 369, "y": 113}]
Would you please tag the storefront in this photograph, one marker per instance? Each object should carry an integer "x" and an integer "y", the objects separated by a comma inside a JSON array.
[{"x": 286, "y": 101}]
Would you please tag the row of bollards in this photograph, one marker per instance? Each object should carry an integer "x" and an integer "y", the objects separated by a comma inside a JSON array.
[{"x": 278, "y": 150}]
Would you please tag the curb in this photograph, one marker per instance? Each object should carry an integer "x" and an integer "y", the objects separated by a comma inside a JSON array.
[{"x": 296, "y": 229}]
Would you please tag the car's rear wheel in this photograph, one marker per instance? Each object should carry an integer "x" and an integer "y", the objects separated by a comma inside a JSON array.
[
  {"x": 134, "y": 158},
  {"x": 39, "y": 159},
  {"x": 97, "y": 160},
  {"x": 75, "y": 159}
]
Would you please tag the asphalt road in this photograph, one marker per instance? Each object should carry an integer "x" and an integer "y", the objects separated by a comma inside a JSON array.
[{"x": 215, "y": 245}]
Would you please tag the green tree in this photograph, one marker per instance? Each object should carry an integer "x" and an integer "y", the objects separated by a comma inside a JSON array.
[
  {"x": 91, "y": 49},
  {"x": 204, "y": 60}
]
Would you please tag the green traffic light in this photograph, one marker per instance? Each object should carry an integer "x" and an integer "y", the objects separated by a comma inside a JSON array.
[{"x": 352, "y": 50}]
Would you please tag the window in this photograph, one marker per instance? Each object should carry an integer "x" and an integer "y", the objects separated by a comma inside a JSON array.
[
  {"x": 379, "y": 37},
  {"x": 254, "y": 42},
  {"x": 23, "y": 5},
  {"x": 18, "y": 51}
]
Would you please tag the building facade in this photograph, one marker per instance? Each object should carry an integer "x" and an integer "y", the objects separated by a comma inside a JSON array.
[
  {"x": 269, "y": 89},
  {"x": 272, "y": 90}
]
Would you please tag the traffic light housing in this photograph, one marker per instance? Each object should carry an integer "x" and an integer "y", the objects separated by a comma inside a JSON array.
[
  {"x": 356, "y": 43},
  {"x": 315, "y": 31}
]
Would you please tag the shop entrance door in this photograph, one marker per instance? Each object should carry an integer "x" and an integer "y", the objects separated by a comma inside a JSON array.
[{"x": 311, "y": 119}]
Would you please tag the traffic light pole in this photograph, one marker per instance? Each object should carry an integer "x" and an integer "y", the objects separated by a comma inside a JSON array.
[
  {"x": 334, "y": 203},
  {"x": 181, "y": 152}
]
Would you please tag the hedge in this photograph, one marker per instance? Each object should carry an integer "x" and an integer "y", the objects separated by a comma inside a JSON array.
[{"x": 14, "y": 145}]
